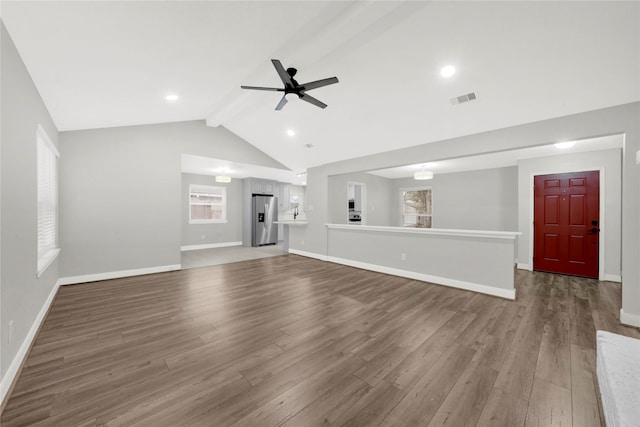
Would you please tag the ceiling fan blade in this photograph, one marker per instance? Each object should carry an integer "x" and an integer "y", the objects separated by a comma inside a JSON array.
[
  {"x": 319, "y": 83},
  {"x": 282, "y": 103},
  {"x": 273, "y": 89},
  {"x": 311, "y": 100},
  {"x": 284, "y": 76}
]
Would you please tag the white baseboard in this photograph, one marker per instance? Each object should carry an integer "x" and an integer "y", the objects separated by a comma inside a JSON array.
[
  {"x": 613, "y": 278},
  {"x": 468, "y": 286},
  {"x": 308, "y": 254},
  {"x": 209, "y": 246},
  {"x": 117, "y": 274},
  {"x": 19, "y": 358},
  {"x": 629, "y": 319},
  {"x": 522, "y": 266}
]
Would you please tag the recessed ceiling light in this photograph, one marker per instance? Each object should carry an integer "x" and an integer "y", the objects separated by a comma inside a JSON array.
[
  {"x": 171, "y": 97},
  {"x": 291, "y": 132},
  {"x": 448, "y": 71},
  {"x": 565, "y": 145}
]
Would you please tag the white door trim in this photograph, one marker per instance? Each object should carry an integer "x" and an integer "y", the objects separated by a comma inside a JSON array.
[{"x": 601, "y": 223}]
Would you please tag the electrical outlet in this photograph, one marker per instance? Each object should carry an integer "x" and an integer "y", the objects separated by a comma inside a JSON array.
[
  {"x": 202, "y": 237},
  {"x": 10, "y": 332},
  {"x": 403, "y": 257}
]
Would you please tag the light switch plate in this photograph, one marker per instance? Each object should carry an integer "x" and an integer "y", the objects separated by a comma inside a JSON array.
[{"x": 638, "y": 157}]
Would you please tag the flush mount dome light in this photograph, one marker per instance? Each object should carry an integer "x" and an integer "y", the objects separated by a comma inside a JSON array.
[
  {"x": 422, "y": 175},
  {"x": 448, "y": 71},
  {"x": 291, "y": 132},
  {"x": 565, "y": 145},
  {"x": 223, "y": 178},
  {"x": 171, "y": 97}
]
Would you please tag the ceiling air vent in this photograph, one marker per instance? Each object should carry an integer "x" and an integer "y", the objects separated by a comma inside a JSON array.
[{"x": 463, "y": 98}]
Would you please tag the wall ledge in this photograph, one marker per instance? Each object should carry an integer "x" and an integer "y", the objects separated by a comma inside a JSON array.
[{"x": 511, "y": 235}]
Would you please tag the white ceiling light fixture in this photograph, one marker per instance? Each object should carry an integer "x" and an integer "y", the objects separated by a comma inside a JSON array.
[
  {"x": 448, "y": 71},
  {"x": 291, "y": 132},
  {"x": 565, "y": 145},
  {"x": 172, "y": 97},
  {"x": 223, "y": 178},
  {"x": 423, "y": 175}
]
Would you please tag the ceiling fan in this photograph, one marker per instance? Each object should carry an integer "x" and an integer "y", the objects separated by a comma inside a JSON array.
[{"x": 292, "y": 86}]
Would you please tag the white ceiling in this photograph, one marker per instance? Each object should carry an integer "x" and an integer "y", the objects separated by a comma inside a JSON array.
[
  {"x": 500, "y": 159},
  {"x": 102, "y": 64},
  {"x": 236, "y": 170}
]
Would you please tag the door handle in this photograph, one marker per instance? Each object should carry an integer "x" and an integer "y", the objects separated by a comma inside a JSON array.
[{"x": 595, "y": 230}]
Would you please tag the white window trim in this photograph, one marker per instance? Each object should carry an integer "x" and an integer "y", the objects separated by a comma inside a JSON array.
[
  {"x": 208, "y": 221},
  {"x": 401, "y": 199},
  {"x": 46, "y": 259}
]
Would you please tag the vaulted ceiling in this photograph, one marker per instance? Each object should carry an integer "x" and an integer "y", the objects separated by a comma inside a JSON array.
[{"x": 102, "y": 64}]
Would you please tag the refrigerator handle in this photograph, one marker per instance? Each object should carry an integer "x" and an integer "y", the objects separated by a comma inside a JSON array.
[{"x": 266, "y": 215}]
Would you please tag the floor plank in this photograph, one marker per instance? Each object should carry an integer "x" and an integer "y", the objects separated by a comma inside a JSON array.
[
  {"x": 291, "y": 340},
  {"x": 550, "y": 406}
]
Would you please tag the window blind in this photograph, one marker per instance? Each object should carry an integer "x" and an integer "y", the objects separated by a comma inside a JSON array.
[{"x": 47, "y": 195}]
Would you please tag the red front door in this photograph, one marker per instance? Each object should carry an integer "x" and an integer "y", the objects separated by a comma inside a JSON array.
[{"x": 567, "y": 223}]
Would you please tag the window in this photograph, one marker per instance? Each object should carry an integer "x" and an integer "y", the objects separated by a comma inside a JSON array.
[
  {"x": 207, "y": 204},
  {"x": 47, "y": 195},
  {"x": 296, "y": 198},
  {"x": 416, "y": 207}
]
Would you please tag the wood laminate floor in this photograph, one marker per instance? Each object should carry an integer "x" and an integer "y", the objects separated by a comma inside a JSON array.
[
  {"x": 293, "y": 341},
  {"x": 225, "y": 255}
]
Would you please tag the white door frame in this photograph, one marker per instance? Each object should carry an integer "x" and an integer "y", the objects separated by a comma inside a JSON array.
[{"x": 601, "y": 220}]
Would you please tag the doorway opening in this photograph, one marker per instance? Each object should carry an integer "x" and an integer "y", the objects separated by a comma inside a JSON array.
[{"x": 356, "y": 203}]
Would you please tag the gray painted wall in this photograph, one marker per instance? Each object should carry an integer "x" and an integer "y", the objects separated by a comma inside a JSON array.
[
  {"x": 22, "y": 295},
  {"x": 488, "y": 261},
  {"x": 474, "y": 200},
  {"x": 202, "y": 234},
  {"x": 608, "y": 121},
  {"x": 611, "y": 162},
  {"x": 378, "y": 198},
  {"x": 121, "y": 192}
]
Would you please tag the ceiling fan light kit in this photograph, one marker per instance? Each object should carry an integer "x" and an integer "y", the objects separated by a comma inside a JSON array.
[{"x": 292, "y": 86}]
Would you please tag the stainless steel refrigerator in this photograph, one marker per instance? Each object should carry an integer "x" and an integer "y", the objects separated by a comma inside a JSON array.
[{"x": 265, "y": 213}]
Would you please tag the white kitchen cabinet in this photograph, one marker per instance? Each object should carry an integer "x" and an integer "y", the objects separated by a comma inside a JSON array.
[
  {"x": 259, "y": 186},
  {"x": 283, "y": 197}
]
